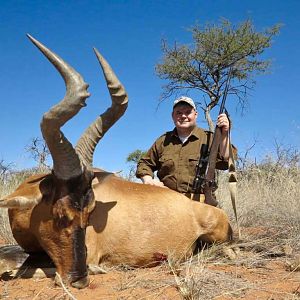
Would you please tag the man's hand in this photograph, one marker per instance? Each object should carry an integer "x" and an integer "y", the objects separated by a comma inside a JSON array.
[
  {"x": 147, "y": 179},
  {"x": 223, "y": 123}
]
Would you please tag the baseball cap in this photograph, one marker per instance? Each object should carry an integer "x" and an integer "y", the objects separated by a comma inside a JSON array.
[{"x": 186, "y": 100}]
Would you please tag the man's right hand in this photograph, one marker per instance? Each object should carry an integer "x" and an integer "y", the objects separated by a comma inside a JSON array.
[{"x": 147, "y": 179}]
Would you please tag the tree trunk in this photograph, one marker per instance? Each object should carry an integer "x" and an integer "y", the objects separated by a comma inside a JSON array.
[{"x": 209, "y": 120}]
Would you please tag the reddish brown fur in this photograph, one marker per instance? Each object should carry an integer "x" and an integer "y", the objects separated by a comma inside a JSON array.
[
  {"x": 130, "y": 223},
  {"x": 51, "y": 224}
]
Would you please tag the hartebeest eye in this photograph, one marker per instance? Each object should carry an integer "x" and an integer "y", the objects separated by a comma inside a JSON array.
[
  {"x": 91, "y": 201},
  {"x": 86, "y": 200},
  {"x": 88, "y": 197}
]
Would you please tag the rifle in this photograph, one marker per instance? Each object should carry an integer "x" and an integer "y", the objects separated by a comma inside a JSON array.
[{"x": 205, "y": 171}]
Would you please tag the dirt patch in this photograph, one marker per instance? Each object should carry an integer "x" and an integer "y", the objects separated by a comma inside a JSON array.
[
  {"x": 217, "y": 282},
  {"x": 262, "y": 270},
  {"x": 271, "y": 281}
]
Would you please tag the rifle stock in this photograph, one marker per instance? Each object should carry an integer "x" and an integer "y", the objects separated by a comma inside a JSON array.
[{"x": 210, "y": 183}]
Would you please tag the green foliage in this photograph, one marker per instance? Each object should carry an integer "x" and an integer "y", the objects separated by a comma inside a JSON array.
[
  {"x": 135, "y": 156},
  {"x": 204, "y": 65}
]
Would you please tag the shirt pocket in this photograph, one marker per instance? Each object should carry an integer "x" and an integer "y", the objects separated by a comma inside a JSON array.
[
  {"x": 193, "y": 160},
  {"x": 167, "y": 166}
]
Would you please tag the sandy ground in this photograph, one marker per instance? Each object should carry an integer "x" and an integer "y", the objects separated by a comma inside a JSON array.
[{"x": 268, "y": 278}]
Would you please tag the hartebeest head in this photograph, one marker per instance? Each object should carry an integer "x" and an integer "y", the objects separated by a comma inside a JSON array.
[{"x": 67, "y": 193}]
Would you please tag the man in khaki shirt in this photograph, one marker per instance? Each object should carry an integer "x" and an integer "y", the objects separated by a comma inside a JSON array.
[{"x": 175, "y": 154}]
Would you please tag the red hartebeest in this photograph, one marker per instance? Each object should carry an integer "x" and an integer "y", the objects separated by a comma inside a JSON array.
[{"x": 83, "y": 216}]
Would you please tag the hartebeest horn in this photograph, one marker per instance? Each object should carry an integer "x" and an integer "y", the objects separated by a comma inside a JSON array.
[
  {"x": 66, "y": 162},
  {"x": 90, "y": 138}
]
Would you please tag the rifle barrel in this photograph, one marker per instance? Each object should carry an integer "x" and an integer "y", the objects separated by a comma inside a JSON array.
[{"x": 225, "y": 91}]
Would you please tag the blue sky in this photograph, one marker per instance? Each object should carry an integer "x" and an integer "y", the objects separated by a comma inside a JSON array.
[{"x": 128, "y": 34}]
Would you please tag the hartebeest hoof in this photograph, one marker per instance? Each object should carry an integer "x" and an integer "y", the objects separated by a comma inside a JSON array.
[
  {"x": 95, "y": 269},
  {"x": 81, "y": 283}
]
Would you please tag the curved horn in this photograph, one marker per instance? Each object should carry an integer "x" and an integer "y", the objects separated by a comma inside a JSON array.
[
  {"x": 66, "y": 163},
  {"x": 90, "y": 138}
]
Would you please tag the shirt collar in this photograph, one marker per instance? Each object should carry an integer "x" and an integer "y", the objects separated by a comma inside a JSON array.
[{"x": 196, "y": 132}]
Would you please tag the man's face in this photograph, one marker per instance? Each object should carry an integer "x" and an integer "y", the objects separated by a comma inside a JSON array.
[{"x": 184, "y": 116}]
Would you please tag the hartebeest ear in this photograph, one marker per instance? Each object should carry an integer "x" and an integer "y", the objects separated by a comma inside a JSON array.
[
  {"x": 29, "y": 193},
  {"x": 21, "y": 201}
]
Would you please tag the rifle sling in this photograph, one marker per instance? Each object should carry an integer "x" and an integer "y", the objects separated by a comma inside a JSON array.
[{"x": 232, "y": 185}]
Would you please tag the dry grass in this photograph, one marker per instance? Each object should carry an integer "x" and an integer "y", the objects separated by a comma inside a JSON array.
[
  {"x": 268, "y": 204},
  {"x": 212, "y": 274},
  {"x": 267, "y": 196}
]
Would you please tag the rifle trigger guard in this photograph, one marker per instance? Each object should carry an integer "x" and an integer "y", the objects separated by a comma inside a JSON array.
[{"x": 211, "y": 183}]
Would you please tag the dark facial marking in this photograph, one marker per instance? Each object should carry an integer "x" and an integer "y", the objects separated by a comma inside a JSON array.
[{"x": 79, "y": 268}]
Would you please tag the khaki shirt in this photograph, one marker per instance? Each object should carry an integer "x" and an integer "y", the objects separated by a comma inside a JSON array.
[{"x": 174, "y": 161}]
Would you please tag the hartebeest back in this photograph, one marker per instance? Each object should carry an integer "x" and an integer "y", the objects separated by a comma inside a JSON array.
[{"x": 83, "y": 216}]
